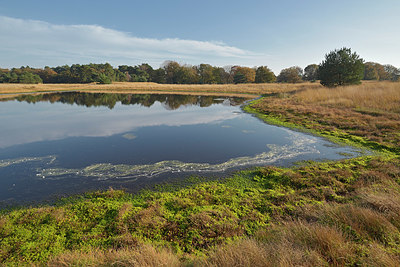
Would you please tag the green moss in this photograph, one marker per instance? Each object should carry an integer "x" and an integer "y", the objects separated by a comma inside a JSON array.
[{"x": 336, "y": 136}]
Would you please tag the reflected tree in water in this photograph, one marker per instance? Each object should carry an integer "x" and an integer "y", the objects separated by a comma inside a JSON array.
[{"x": 110, "y": 100}]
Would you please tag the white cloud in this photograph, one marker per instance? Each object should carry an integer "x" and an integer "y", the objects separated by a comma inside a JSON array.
[{"x": 34, "y": 43}]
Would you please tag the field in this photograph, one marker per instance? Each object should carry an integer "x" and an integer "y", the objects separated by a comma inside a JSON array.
[
  {"x": 244, "y": 90},
  {"x": 328, "y": 213}
]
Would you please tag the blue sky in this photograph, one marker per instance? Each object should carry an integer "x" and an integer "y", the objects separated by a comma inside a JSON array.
[{"x": 278, "y": 34}]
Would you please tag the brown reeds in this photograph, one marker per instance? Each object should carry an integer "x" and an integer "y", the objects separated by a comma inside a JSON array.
[
  {"x": 144, "y": 255},
  {"x": 380, "y": 96},
  {"x": 245, "y": 90},
  {"x": 291, "y": 244},
  {"x": 370, "y": 110}
]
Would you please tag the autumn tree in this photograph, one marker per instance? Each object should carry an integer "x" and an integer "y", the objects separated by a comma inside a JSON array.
[
  {"x": 171, "y": 69},
  {"x": 392, "y": 72},
  {"x": 290, "y": 75},
  {"x": 370, "y": 71},
  {"x": 47, "y": 75},
  {"x": 383, "y": 75},
  {"x": 243, "y": 74},
  {"x": 376, "y": 71}
]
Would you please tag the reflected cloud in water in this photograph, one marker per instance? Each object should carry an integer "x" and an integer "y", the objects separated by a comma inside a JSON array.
[{"x": 47, "y": 118}]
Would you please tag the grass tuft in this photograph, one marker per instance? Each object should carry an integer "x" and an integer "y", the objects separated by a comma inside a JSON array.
[{"x": 145, "y": 255}]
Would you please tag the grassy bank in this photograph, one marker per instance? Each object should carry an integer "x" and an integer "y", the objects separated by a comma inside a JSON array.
[
  {"x": 366, "y": 115},
  {"x": 330, "y": 213}
]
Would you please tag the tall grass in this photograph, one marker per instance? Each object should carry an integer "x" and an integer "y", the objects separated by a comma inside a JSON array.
[
  {"x": 300, "y": 243},
  {"x": 292, "y": 244},
  {"x": 366, "y": 114},
  {"x": 369, "y": 95},
  {"x": 143, "y": 256},
  {"x": 249, "y": 90}
]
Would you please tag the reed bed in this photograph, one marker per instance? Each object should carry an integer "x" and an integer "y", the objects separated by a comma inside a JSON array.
[
  {"x": 141, "y": 87},
  {"x": 370, "y": 112},
  {"x": 369, "y": 95}
]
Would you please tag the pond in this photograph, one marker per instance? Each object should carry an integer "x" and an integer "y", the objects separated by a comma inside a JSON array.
[{"x": 65, "y": 143}]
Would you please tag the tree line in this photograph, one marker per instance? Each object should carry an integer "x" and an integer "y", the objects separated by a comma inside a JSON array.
[
  {"x": 364, "y": 71},
  {"x": 171, "y": 72}
]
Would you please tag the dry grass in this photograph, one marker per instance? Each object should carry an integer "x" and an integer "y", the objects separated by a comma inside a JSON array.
[
  {"x": 244, "y": 90},
  {"x": 378, "y": 256},
  {"x": 291, "y": 244},
  {"x": 381, "y": 96},
  {"x": 370, "y": 110},
  {"x": 383, "y": 200},
  {"x": 247, "y": 252},
  {"x": 296, "y": 243},
  {"x": 338, "y": 234},
  {"x": 361, "y": 223},
  {"x": 143, "y": 256}
]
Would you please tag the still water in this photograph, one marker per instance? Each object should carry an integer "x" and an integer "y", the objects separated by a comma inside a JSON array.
[{"x": 57, "y": 144}]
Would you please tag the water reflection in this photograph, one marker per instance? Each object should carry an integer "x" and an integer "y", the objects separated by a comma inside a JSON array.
[
  {"x": 103, "y": 115},
  {"x": 170, "y": 102}
]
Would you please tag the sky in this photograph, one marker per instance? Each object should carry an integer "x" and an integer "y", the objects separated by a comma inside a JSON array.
[{"x": 277, "y": 34}]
